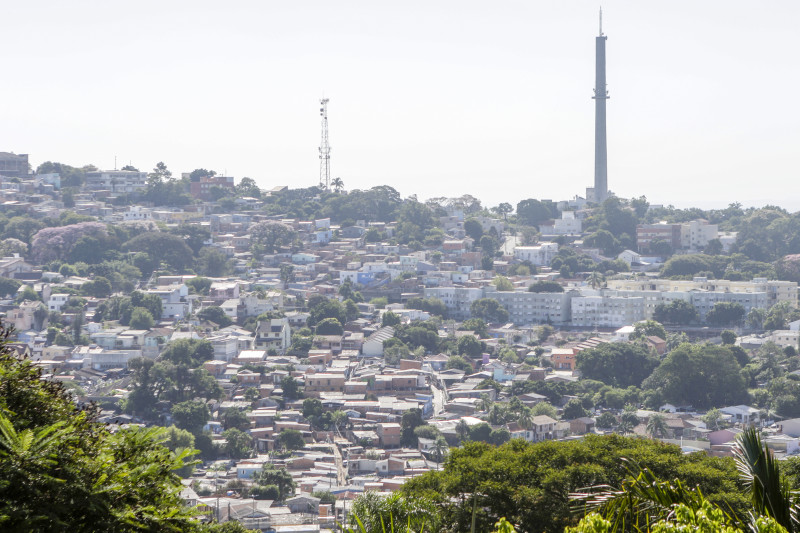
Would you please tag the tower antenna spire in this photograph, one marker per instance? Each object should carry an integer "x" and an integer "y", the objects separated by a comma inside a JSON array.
[
  {"x": 601, "y": 21},
  {"x": 324, "y": 148}
]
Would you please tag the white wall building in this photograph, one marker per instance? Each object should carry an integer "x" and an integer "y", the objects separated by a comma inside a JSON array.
[{"x": 540, "y": 255}]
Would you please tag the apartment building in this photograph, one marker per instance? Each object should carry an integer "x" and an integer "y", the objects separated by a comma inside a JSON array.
[
  {"x": 117, "y": 181},
  {"x": 540, "y": 255},
  {"x": 274, "y": 334},
  {"x": 607, "y": 310},
  {"x": 533, "y": 307},
  {"x": 458, "y": 300}
]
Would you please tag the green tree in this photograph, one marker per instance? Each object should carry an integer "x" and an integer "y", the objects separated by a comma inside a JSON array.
[
  {"x": 290, "y": 439},
  {"x": 216, "y": 314},
  {"x": 677, "y": 312},
  {"x": 699, "y": 375},
  {"x": 502, "y": 283},
  {"x": 725, "y": 313},
  {"x": 61, "y": 469},
  {"x": 546, "y": 286},
  {"x": 390, "y": 319},
  {"x": 574, "y": 409},
  {"x": 648, "y": 328},
  {"x": 191, "y": 416},
  {"x": 235, "y": 418},
  {"x": 410, "y": 421},
  {"x": 290, "y": 388},
  {"x": 620, "y": 365},
  {"x": 329, "y": 326},
  {"x": 279, "y": 477},
  {"x": 489, "y": 310},
  {"x": 238, "y": 444},
  {"x": 141, "y": 318}
]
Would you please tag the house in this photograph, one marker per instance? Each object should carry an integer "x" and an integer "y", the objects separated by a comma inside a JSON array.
[
  {"x": 542, "y": 427},
  {"x": 275, "y": 334},
  {"x": 373, "y": 346},
  {"x": 304, "y": 503},
  {"x": 581, "y": 426},
  {"x": 657, "y": 343},
  {"x": 563, "y": 358},
  {"x": 742, "y": 414},
  {"x": 389, "y": 434}
]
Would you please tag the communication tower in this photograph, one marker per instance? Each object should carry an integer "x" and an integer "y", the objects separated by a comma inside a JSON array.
[{"x": 324, "y": 148}]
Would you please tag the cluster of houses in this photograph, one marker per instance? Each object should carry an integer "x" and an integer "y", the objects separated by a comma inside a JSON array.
[{"x": 347, "y": 371}]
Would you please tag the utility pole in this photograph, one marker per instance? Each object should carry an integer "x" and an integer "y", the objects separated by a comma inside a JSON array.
[{"x": 324, "y": 148}]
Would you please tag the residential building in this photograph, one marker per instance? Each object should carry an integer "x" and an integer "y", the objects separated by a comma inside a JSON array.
[
  {"x": 540, "y": 255},
  {"x": 607, "y": 311},
  {"x": 117, "y": 181},
  {"x": 275, "y": 333},
  {"x": 533, "y": 307}
]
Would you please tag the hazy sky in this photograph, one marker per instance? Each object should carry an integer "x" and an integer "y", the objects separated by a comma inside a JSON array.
[{"x": 436, "y": 98}]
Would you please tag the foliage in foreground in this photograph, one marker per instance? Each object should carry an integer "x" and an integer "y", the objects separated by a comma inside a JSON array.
[{"x": 62, "y": 470}]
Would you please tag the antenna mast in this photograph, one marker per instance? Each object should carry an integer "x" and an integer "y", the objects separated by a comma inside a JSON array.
[
  {"x": 324, "y": 148},
  {"x": 601, "y": 21}
]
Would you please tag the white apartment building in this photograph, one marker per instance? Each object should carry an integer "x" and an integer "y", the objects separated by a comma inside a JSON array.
[
  {"x": 458, "y": 300},
  {"x": 175, "y": 301},
  {"x": 776, "y": 291},
  {"x": 696, "y": 235},
  {"x": 606, "y": 310},
  {"x": 533, "y": 307},
  {"x": 568, "y": 224},
  {"x": 540, "y": 255},
  {"x": 118, "y": 181}
]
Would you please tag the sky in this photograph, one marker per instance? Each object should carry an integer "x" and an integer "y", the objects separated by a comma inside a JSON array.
[{"x": 434, "y": 97}]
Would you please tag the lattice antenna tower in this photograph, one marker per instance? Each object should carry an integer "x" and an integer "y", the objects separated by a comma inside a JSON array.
[{"x": 324, "y": 148}]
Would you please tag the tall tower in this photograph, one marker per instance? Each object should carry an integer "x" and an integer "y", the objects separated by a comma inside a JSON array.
[
  {"x": 324, "y": 148},
  {"x": 600, "y": 97}
]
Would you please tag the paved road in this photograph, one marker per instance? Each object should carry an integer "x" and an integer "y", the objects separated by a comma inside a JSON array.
[{"x": 509, "y": 245}]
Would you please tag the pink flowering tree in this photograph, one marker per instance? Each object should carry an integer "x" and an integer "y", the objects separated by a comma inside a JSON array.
[{"x": 56, "y": 243}]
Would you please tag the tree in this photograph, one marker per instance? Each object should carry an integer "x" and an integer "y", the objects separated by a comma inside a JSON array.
[
  {"x": 191, "y": 416},
  {"x": 235, "y": 418},
  {"x": 713, "y": 419},
  {"x": 459, "y": 363},
  {"x": 677, "y": 312},
  {"x": 504, "y": 209},
  {"x": 574, "y": 409},
  {"x": 290, "y": 388},
  {"x": 410, "y": 421},
  {"x": 533, "y": 212},
  {"x": 141, "y": 319},
  {"x": 597, "y": 280},
  {"x": 338, "y": 184},
  {"x": 238, "y": 444},
  {"x": 268, "y": 235},
  {"x": 469, "y": 346},
  {"x": 606, "y": 421},
  {"x": 728, "y": 337},
  {"x": 474, "y": 229},
  {"x": 168, "y": 248},
  {"x": 648, "y": 328},
  {"x": 699, "y": 375},
  {"x": 213, "y": 262},
  {"x": 290, "y": 439},
  {"x": 58, "y": 242},
  {"x": 60, "y": 468},
  {"x": 99, "y": 288},
  {"x": 620, "y": 365},
  {"x": 8, "y": 286},
  {"x": 530, "y": 483},
  {"x": 657, "y": 425},
  {"x": 489, "y": 310},
  {"x": 725, "y": 313},
  {"x": 279, "y": 477},
  {"x": 330, "y": 326},
  {"x": 502, "y": 283},
  {"x": 390, "y": 319},
  {"x": 216, "y": 315},
  {"x": 546, "y": 286}
]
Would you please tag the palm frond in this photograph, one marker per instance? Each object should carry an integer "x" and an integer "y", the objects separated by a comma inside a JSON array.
[
  {"x": 770, "y": 492},
  {"x": 642, "y": 500}
]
